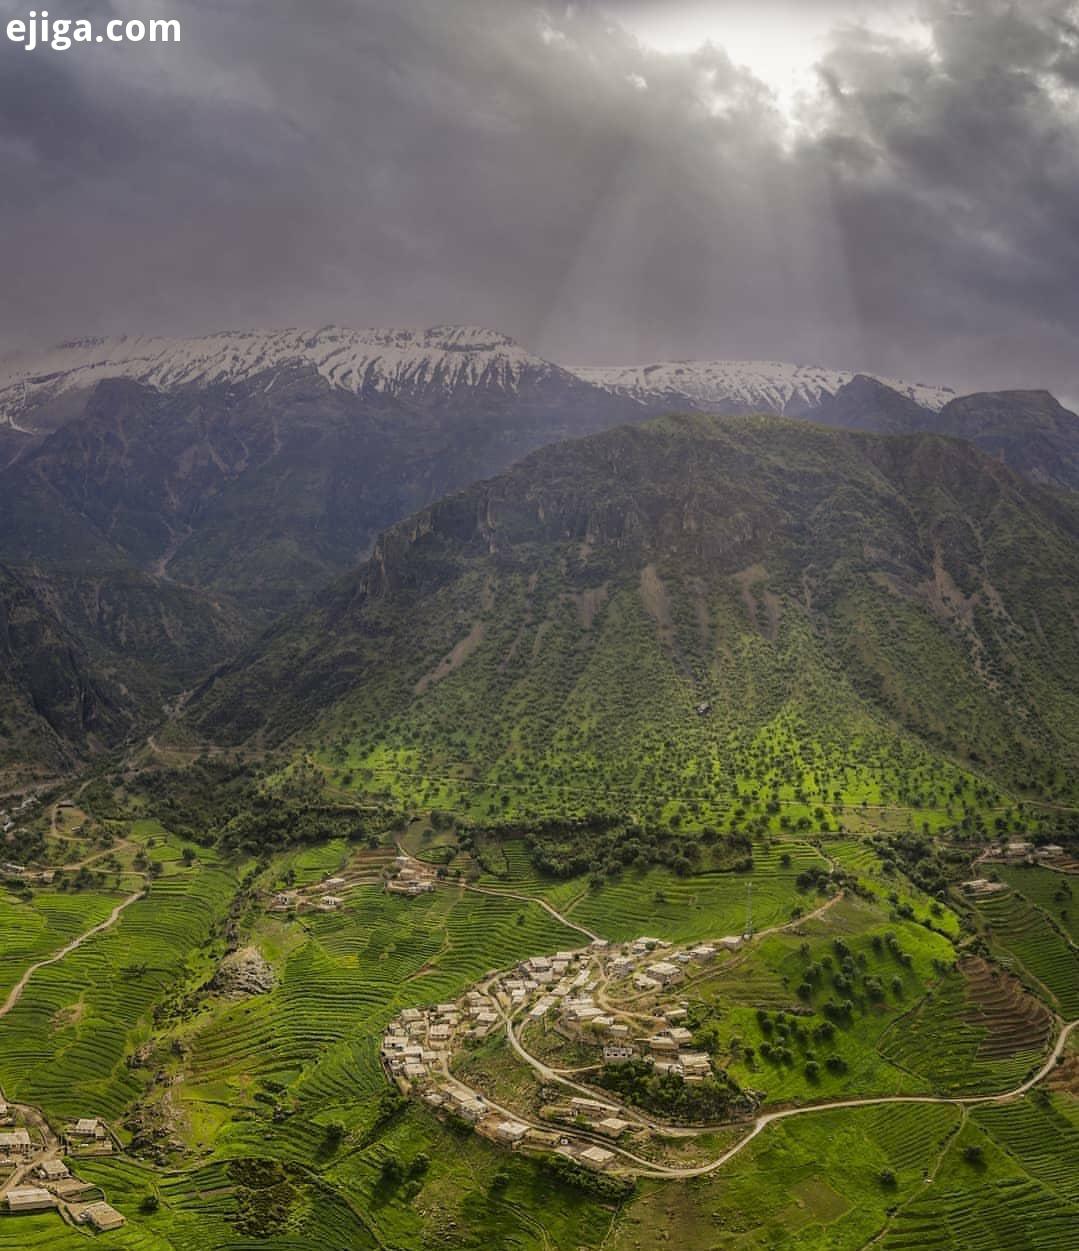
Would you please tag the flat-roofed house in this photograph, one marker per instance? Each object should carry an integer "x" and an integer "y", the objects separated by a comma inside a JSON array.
[
  {"x": 618, "y": 1053},
  {"x": 29, "y": 1199},
  {"x": 88, "y": 1127},
  {"x": 590, "y": 1106},
  {"x": 694, "y": 1062},
  {"x": 665, "y": 972},
  {"x": 101, "y": 1215},
  {"x": 16, "y": 1142},
  {"x": 510, "y": 1132},
  {"x": 596, "y": 1157},
  {"x": 473, "y": 1109}
]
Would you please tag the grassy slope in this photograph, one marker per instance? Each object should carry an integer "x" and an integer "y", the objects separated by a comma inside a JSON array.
[
  {"x": 869, "y": 621},
  {"x": 309, "y": 1047}
]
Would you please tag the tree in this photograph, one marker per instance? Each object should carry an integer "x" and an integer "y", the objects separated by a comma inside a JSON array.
[{"x": 391, "y": 1172}]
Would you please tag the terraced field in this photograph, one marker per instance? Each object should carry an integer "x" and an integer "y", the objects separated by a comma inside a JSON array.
[
  {"x": 697, "y": 906},
  {"x": 65, "y": 1042},
  {"x": 318, "y": 1032},
  {"x": 808, "y": 1184},
  {"x": 1025, "y": 932},
  {"x": 34, "y": 929},
  {"x": 1022, "y": 1195},
  {"x": 1057, "y": 894},
  {"x": 282, "y": 1105},
  {"x": 979, "y": 1031}
]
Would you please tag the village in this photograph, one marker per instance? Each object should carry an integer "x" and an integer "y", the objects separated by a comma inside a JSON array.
[
  {"x": 1018, "y": 851},
  {"x": 36, "y": 1167},
  {"x": 619, "y": 1001}
]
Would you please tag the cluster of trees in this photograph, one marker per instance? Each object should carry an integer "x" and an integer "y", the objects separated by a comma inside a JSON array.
[
  {"x": 604, "y": 846},
  {"x": 668, "y": 1095},
  {"x": 602, "y": 1185}
]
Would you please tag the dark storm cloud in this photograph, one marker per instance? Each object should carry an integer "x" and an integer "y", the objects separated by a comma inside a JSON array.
[{"x": 535, "y": 168}]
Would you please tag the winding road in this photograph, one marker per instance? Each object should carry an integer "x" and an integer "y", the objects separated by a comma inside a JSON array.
[
  {"x": 647, "y": 1168},
  {"x": 50, "y": 1148},
  {"x": 15, "y": 994}
]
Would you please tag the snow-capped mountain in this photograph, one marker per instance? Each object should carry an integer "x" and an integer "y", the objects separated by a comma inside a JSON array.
[
  {"x": 420, "y": 366},
  {"x": 743, "y": 386},
  {"x": 426, "y": 365}
]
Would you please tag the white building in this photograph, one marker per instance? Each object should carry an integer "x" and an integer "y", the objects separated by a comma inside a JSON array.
[
  {"x": 16, "y": 1142},
  {"x": 101, "y": 1215},
  {"x": 665, "y": 973},
  {"x": 618, "y": 1053},
  {"x": 510, "y": 1132},
  {"x": 29, "y": 1199}
]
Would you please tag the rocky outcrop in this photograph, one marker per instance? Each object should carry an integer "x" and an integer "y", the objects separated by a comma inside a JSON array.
[{"x": 244, "y": 973}]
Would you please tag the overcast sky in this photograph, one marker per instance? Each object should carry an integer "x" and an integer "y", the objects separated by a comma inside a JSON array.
[{"x": 890, "y": 188}]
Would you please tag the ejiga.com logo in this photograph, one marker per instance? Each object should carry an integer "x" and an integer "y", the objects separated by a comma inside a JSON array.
[{"x": 40, "y": 30}]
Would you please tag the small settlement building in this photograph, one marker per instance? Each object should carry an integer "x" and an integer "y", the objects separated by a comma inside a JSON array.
[
  {"x": 16, "y": 1144},
  {"x": 664, "y": 972},
  {"x": 29, "y": 1199},
  {"x": 101, "y": 1215},
  {"x": 88, "y": 1131},
  {"x": 52, "y": 1170},
  {"x": 510, "y": 1133},
  {"x": 618, "y": 1053}
]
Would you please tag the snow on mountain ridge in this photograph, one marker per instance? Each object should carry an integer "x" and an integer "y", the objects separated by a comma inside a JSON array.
[
  {"x": 426, "y": 365},
  {"x": 426, "y": 362},
  {"x": 775, "y": 386}
]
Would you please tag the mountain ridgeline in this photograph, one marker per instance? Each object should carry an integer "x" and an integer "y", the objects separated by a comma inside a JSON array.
[
  {"x": 688, "y": 618},
  {"x": 164, "y": 501}
]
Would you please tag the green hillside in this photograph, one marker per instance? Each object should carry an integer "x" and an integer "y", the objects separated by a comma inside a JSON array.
[{"x": 739, "y": 621}]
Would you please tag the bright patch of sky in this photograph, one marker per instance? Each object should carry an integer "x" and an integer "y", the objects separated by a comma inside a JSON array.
[{"x": 779, "y": 41}]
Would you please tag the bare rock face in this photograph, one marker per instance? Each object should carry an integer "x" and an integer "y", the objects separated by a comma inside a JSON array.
[{"x": 243, "y": 973}]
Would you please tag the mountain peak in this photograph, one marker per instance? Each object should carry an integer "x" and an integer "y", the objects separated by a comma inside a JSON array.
[
  {"x": 735, "y": 386},
  {"x": 410, "y": 362}
]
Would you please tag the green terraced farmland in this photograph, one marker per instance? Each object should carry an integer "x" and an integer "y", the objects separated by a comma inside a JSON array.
[
  {"x": 279, "y": 1131},
  {"x": 1026, "y": 932},
  {"x": 38, "y": 928},
  {"x": 978, "y": 1031},
  {"x": 1057, "y": 894}
]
